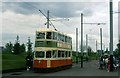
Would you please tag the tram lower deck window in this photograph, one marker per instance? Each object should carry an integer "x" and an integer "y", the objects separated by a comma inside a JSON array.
[
  {"x": 48, "y": 54},
  {"x": 39, "y": 54}
]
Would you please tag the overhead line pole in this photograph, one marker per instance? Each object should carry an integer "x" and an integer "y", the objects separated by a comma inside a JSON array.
[
  {"x": 76, "y": 45},
  {"x": 87, "y": 45},
  {"x": 101, "y": 40},
  {"x": 111, "y": 35},
  {"x": 48, "y": 19},
  {"x": 81, "y": 40},
  {"x": 96, "y": 50}
]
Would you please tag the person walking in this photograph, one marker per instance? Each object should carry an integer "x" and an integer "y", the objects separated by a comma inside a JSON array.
[
  {"x": 101, "y": 62},
  {"x": 108, "y": 64}
]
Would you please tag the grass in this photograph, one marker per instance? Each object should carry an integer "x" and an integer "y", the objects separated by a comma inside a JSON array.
[{"x": 12, "y": 61}]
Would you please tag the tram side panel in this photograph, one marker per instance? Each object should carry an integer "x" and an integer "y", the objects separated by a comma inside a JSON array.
[{"x": 51, "y": 63}]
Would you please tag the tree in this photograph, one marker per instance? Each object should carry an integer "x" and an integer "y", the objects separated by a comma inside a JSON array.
[
  {"x": 107, "y": 51},
  {"x": 29, "y": 46},
  {"x": 9, "y": 47},
  {"x": 22, "y": 48},
  {"x": 89, "y": 50},
  {"x": 17, "y": 46}
]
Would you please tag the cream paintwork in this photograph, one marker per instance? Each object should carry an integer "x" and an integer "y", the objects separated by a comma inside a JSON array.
[{"x": 48, "y": 63}]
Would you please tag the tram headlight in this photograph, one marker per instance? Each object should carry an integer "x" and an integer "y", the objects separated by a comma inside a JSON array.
[{"x": 39, "y": 61}]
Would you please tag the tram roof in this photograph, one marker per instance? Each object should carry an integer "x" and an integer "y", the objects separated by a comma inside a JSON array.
[
  {"x": 50, "y": 30},
  {"x": 45, "y": 30}
]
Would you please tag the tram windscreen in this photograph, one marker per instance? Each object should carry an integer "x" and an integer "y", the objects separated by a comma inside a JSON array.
[
  {"x": 39, "y": 54},
  {"x": 49, "y": 35},
  {"x": 40, "y": 35}
]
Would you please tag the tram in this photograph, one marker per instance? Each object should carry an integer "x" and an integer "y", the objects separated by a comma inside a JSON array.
[{"x": 53, "y": 50}]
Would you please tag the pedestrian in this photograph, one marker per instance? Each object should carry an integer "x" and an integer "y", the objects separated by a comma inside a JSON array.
[
  {"x": 108, "y": 64},
  {"x": 101, "y": 62},
  {"x": 29, "y": 62}
]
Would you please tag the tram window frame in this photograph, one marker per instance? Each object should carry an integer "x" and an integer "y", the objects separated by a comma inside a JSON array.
[
  {"x": 49, "y": 36},
  {"x": 43, "y": 53},
  {"x": 49, "y": 54},
  {"x": 38, "y": 34}
]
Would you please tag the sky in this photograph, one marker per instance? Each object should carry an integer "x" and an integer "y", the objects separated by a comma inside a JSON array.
[{"x": 22, "y": 17}]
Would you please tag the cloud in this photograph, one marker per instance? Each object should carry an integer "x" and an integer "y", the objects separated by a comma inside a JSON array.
[
  {"x": 23, "y": 18},
  {"x": 56, "y": 1},
  {"x": 57, "y": 9}
]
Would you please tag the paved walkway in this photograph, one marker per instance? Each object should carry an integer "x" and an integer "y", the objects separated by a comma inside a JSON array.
[{"x": 89, "y": 69}]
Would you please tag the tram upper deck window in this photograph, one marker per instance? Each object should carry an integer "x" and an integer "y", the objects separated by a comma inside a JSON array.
[
  {"x": 63, "y": 38},
  {"x": 59, "y": 37},
  {"x": 69, "y": 40},
  {"x": 40, "y": 35},
  {"x": 49, "y": 35},
  {"x": 48, "y": 54},
  {"x": 54, "y": 35},
  {"x": 39, "y": 54}
]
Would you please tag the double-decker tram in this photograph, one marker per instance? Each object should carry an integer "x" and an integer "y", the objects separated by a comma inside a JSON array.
[{"x": 53, "y": 50}]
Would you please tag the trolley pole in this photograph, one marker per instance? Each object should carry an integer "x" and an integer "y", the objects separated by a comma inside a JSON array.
[
  {"x": 76, "y": 45},
  {"x": 111, "y": 35},
  {"x": 81, "y": 40},
  {"x": 48, "y": 19}
]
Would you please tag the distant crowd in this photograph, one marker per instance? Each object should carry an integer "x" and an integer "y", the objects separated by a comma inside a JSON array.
[{"x": 104, "y": 62}]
